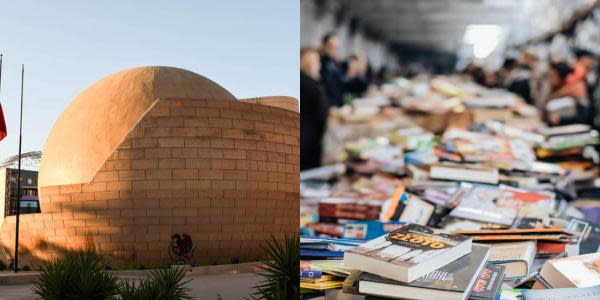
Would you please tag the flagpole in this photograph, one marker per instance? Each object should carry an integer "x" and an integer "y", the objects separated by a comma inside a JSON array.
[
  {"x": 0, "y": 72},
  {"x": 16, "y": 266}
]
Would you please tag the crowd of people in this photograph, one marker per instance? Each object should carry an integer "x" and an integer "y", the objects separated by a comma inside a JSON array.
[
  {"x": 327, "y": 81},
  {"x": 539, "y": 83}
]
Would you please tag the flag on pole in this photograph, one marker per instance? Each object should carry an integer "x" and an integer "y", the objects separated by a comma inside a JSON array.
[{"x": 3, "y": 132}]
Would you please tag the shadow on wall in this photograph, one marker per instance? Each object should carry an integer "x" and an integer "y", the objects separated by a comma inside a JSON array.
[{"x": 41, "y": 251}]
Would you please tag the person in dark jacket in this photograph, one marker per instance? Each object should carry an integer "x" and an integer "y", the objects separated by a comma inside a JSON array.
[
  {"x": 313, "y": 110},
  {"x": 332, "y": 77},
  {"x": 356, "y": 80}
]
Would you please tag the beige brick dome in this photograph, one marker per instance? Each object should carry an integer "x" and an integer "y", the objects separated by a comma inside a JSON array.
[
  {"x": 151, "y": 152},
  {"x": 98, "y": 119}
]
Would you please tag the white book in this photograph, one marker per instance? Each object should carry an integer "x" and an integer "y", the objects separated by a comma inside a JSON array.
[
  {"x": 464, "y": 173},
  {"x": 408, "y": 253}
]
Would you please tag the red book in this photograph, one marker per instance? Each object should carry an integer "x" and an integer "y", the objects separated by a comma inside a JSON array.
[{"x": 3, "y": 132}]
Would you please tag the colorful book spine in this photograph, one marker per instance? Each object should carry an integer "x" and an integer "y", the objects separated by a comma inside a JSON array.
[{"x": 312, "y": 274}]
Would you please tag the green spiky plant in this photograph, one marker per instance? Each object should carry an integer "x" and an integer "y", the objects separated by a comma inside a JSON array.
[
  {"x": 77, "y": 276},
  {"x": 82, "y": 275},
  {"x": 281, "y": 279},
  {"x": 161, "y": 284}
]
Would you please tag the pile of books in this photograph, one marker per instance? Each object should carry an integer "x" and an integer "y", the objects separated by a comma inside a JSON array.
[
  {"x": 451, "y": 162},
  {"x": 419, "y": 262}
]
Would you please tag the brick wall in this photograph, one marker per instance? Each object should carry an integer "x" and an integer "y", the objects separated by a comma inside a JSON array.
[{"x": 224, "y": 172}]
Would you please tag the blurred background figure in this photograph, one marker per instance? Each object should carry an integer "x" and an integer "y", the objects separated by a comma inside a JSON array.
[
  {"x": 332, "y": 77},
  {"x": 356, "y": 81},
  {"x": 506, "y": 71},
  {"x": 313, "y": 109},
  {"x": 584, "y": 63},
  {"x": 562, "y": 83},
  {"x": 483, "y": 76}
]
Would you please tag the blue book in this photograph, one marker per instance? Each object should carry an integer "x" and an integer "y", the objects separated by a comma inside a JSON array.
[
  {"x": 310, "y": 274},
  {"x": 321, "y": 253}
]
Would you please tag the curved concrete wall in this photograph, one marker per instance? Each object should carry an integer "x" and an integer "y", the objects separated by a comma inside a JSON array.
[{"x": 223, "y": 171}]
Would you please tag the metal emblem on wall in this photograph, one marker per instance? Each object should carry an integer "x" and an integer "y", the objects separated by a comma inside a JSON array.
[{"x": 181, "y": 249}]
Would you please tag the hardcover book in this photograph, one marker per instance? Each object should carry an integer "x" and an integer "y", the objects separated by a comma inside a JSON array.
[
  {"x": 517, "y": 257},
  {"x": 408, "y": 253}
]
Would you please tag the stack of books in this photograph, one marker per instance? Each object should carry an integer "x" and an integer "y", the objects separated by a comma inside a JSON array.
[
  {"x": 419, "y": 262},
  {"x": 447, "y": 154}
]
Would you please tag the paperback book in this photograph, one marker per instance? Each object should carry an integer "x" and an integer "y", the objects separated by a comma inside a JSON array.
[
  {"x": 488, "y": 283},
  {"x": 408, "y": 253},
  {"x": 453, "y": 281},
  {"x": 479, "y": 203}
]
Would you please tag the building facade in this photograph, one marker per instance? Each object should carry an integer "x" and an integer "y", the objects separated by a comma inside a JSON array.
[
  {"x": 158, "y": 152},
  {"x": 8, "y": 192}
]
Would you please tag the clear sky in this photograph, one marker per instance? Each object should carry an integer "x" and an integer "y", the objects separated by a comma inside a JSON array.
[{"x": 248, "y": 47}]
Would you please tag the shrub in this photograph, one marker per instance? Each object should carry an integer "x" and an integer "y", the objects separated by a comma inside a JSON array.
[
  {"x": 82, "y": 275},
  {"x": 161, "y": 284},
  {"x": 281, "y": 279},
  {"x": 77, "y": 276}
]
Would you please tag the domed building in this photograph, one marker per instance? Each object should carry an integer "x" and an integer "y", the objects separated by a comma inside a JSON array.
[{"x": 150, "y": 154}]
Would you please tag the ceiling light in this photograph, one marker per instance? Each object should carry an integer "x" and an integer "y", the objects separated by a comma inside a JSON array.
[{"x": 484, "y": 38}]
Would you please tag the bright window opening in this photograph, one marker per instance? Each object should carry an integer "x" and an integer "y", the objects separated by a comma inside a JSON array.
[{"x": 483, "y": 38}]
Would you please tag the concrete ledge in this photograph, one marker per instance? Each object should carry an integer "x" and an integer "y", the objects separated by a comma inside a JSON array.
[
  {"x": 252, "y": 267},
  {"x": 22, "y": 277},
  {"x": 27, "y": 277}
]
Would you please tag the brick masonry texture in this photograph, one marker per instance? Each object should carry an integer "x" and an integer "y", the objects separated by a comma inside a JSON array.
[{"x": 224, "y": 172}]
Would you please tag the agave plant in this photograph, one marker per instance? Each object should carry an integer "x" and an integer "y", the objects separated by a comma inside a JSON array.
[
  {"x": 281, "y": 279},
  {"x": 161, "y": 284},
  {"x": 77, "y": 276}
]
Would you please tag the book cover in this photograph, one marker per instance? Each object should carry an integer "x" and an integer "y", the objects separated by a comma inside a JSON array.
[
  {"x": 310, "y": 274},
  {"x": 323, "y": 278},
  {"x": 331, "y": 266},
  {"x": 416, "y": 211},
  {"x": 409, "y": 245},
  {"x": 510, "y": 294},
  {"x": 587, "y": 234},
  {"x": 479, "y": 204},
  {"x": 408, "y": 253},
  {"x": 580, "y": 271},
  {"x": 456, "y": 276},
  {"x": 588, "y": 293},
  {"x": 368, "y": 230},
  {"x": 526, "y": 203},
  {"x": 489, "y": 282}
]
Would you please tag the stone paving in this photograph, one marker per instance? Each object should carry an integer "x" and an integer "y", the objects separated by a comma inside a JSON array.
[{"x": 204, "y": 287}]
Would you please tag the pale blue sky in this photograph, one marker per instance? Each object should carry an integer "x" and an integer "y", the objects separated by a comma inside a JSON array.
[{"x": 248, "y": 47}]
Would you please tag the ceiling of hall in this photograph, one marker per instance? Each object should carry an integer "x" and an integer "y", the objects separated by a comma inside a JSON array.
[{"x": 440, "y": 24}]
